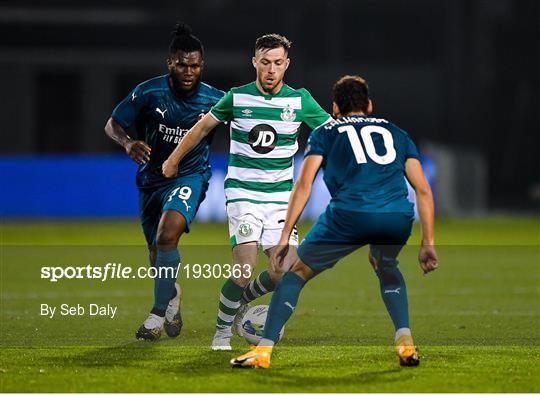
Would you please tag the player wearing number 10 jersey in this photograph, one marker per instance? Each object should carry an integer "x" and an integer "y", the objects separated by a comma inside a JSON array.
[{"x": 365, "y": 160}]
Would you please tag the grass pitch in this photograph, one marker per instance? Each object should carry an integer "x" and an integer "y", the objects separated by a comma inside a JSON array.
[{"x": 476, "y": 320}]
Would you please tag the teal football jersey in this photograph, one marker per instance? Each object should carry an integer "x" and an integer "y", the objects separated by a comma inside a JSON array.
[
  {"x": 364, "y": 163},
  {"x": 162, "y": 119}
]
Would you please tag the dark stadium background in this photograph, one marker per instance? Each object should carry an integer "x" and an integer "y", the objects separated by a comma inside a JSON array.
[{"x": 460, "y": 76}]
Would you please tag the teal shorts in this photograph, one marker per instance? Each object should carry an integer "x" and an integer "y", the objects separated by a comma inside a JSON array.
[
  {"x": 337, "y": 233},
  {"x": 183, "y": 194}
]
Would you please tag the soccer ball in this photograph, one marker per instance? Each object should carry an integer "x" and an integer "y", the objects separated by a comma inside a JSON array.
[{"x": 253, "y": 324}]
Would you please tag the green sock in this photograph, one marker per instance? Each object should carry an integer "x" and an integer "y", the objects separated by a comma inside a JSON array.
[
  {"x": 258, "y": 287},
  {"x": 229, "y": 302}
]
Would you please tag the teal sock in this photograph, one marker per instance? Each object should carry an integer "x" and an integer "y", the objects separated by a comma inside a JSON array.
[
  {"x": 394, "y": 294},
  {"x": 164, "y": 289},
  {"x": 229, "y": 302},
  {"x": 258, "y": 287},
  {"x": 282, "y": 305}
]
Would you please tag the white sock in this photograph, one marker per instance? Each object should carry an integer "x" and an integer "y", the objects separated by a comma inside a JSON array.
[
  {"x": 266, "y": 343},
  {"x": 154, "y": 321},
  {"x": 224, "y": 330},
  {"x": 402, "y": 332}
]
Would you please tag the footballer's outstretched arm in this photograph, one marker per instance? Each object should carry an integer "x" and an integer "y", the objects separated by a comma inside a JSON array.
[
  {"x": 297, "y": 203},
  {"x": 300, "y": 194},
  {"x": 424, "y": 202},
  {"x": 193, "y": 137}
]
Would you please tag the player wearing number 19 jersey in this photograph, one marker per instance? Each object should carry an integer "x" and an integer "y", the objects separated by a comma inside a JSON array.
[
  {"x": 365, "y": 162},
  {"x": 162, "y": 110}
]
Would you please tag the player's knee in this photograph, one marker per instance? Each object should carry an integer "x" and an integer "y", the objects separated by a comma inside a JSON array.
[
  {"x": 167, "y": 237},
  {"x": 171, "y": 226},
  {"x": 388, "y": 271},
  {"x": 242, "y": 280},
  {"x": 380, "y": 262},
  {"x": 388, "y": 263},
  {"x": 302, "y": 270}
]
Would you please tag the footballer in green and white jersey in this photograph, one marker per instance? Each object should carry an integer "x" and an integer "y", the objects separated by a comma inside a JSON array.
[
  {"x": 264, "y": 139},
  {"x": 265, "y": 117}
]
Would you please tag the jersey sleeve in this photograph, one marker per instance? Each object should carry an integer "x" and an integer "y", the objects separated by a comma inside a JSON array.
[
  {"x": 316, "y": 143},
  {"x": 222, "y": 111},
  {"x": 219, "y": 95},
  {"x": 314, "y": 115},
  {"x": 410, "y": 148},
  {"x": 127, "y": 111}
]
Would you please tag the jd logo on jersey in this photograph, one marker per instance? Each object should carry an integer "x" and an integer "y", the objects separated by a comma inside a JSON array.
[{"x": 262, "y": 138}]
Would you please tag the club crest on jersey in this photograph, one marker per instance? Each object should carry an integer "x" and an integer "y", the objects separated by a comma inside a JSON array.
[
  {"x": 262, "y": 138},
  {"x": 245, "y": 229},
  {"x": 288, "y": 114}
]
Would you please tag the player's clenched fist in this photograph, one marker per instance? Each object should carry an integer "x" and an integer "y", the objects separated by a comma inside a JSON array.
[
  {"x": 138, "y": 150},
  {"x": 427, "y": 257},
  {"x": 169, "y": 168}
]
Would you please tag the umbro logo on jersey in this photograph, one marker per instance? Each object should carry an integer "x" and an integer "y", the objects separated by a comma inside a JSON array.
[
  {"x": 392, "y": 291},
  {"x": 133, "y": 96},
  {"x": 247, "y": 112},
  {"x": 162, "y": 112}
]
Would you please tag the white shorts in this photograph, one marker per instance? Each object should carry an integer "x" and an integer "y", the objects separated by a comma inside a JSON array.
[{"x": 262, "y": 223}]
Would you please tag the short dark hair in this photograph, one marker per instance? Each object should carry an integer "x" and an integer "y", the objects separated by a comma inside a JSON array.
[
  {"x": 184, "y": 40},
  {"x": 271, "y": 41},
  {"x": 351, "y": 94}
]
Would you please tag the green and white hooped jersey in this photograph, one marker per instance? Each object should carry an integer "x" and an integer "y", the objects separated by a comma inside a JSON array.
[{"x": 264, "y": 134}]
